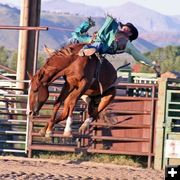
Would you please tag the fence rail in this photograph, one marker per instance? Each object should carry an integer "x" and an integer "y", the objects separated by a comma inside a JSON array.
[
  {"x": 13, "y": 118},
  {"x": 129, "y": 128},
  {"x": 132, "y": 133}
]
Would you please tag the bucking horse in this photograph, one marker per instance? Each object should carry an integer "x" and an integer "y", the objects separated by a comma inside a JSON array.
[{"x": 82, "y": 76}]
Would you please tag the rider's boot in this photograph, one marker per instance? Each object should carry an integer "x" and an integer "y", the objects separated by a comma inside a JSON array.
[{"x": 87, "y": 52}]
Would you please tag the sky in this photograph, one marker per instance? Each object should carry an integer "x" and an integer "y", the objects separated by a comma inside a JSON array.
[{"x": 167, "y": 7}]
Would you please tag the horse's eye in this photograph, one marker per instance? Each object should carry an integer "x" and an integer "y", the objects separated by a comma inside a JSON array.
[
  {"x": 35, "y": 91},
  {"x": 34, "y": 87}
]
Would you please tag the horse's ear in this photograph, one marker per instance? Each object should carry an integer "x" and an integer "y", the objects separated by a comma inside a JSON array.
[
  {"x": 48, "y": 51},
  {"x": 29, "y": 75}
]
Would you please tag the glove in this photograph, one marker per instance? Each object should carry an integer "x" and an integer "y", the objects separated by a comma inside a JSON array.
[
  {"x": 91, "y": 22},
  {"x": 157, "y": 69}
]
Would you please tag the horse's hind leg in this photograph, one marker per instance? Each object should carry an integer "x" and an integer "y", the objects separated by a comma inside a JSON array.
[{"x": 106, "y": 98}]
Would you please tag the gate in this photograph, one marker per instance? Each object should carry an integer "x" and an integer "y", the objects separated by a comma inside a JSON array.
[
  {"x": 168, "y": 127},
  {"x": 13, "y": 118}
]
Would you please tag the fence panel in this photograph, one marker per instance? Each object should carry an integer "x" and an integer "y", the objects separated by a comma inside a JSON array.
[
  {"x": 13, "y": 118},
  {"x": 127, "y": 129}
]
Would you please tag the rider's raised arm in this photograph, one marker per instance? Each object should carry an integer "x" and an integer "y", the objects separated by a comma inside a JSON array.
[
  {"x": 80, "y": 34},
  {"x": 85, "y": 26}
]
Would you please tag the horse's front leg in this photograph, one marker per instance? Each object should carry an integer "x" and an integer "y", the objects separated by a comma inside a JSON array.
[
  {"x": 64, "y": 93},
  {"x": 69, "y": 105}
]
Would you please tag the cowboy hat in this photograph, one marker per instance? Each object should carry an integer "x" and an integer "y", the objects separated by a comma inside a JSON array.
[{"x": 133, "y": 29}]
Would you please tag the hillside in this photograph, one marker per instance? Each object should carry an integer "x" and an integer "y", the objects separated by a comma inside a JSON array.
[
  {"x": 65, "y": 6},
  {"x": 156, "y": 30},
  {"x": 9, "y": 16},
  {"x": 52, "y": 38},
  {"x": 150, "y": 23},
  {"x": 146, "y": 19}
]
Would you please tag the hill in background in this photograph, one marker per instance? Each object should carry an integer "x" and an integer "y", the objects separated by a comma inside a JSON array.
[
  {"x": 64, "y": 6},
  {"x": 156, "y": 30},
  {"x": 54, "y": 38}
]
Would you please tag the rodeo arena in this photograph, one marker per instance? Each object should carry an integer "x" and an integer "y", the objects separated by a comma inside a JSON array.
[{"x": 141, "y": 122}]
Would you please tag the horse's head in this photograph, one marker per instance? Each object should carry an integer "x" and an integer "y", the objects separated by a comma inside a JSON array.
[
  {"x": 38, "y": 94},
  {"x": 38, "y": 89}
]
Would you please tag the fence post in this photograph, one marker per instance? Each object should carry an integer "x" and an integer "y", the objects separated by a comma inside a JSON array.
[
  {"x": 28, "y": 40},
  {"x": 159, "y": 129},
  {"x": 22, "y": 46}
]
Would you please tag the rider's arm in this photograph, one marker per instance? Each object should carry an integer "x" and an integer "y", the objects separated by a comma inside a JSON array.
[
  {"x": 80, "y": 33},
  {"x": 85, "y": 26},
  {"x": 130, "y": 49}
]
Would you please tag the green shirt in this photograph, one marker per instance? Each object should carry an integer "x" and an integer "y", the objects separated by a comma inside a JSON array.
[{"x": 106, "y": 35}]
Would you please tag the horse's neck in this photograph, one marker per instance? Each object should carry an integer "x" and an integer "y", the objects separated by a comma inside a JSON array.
[
  {"x": 56, "y": 65},
  {"x": 52, "y": 72}
]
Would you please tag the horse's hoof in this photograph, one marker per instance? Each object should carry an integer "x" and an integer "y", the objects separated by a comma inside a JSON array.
[
  {"x": 42, "y": 132},
  {"x": 67, "y": 134},
  {"x": 48, "y": 134}
]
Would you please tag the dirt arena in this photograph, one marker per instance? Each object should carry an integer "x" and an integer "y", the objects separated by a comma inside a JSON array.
[{"x": 12, "y": 168}]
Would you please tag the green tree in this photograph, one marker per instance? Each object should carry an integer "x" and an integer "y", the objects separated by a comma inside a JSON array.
[
  {"x": 41, "y": 60},
  {"x": 13, "y": 64},
  {"x": 4, "y": 56},
  {"x": 168, "y": 58}
]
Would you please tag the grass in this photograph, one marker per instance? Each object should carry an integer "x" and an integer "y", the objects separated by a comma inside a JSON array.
[
  {"x": 99, "y": 158},
  {"x": 126, "y": 160}
]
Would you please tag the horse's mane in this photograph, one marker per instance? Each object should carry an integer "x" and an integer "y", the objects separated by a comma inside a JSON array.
[
  {"x": 67, "y": 50},
  {"x": 63, "y": 53}
]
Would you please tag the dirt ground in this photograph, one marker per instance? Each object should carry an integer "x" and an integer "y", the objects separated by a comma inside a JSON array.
[{"x": 15, "y": 168}]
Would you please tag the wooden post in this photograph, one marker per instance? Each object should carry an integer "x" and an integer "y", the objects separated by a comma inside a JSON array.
[
  {"x": 159, "y": 139},
  {"x": 34, "y": 20},
  {"x": 30, "y": 16},
  {"x": 22, "y": 47}
]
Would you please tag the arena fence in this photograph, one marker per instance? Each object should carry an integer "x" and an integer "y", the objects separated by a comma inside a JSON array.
[
  {"x": 126, "y": 127},
  {"x": 142, "y": 120},
  {"x": 13, "y": 118}
]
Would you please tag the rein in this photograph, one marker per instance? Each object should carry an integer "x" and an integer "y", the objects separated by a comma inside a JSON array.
[{"x": 98, "y": 69}]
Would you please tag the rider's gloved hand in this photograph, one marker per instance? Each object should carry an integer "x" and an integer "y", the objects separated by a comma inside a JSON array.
[
  {"x": 157, "y": 69},
  {"x": 91, "y": 22}
]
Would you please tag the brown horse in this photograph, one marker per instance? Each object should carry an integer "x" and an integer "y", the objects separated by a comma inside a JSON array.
[{"x": 80, "y": 74}]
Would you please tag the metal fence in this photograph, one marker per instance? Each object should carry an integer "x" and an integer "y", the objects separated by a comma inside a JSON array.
[
  {"x": 127, "y": 127},
  {"x": 13, "y": 118},
  {"x": 168, "y": 124}
]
